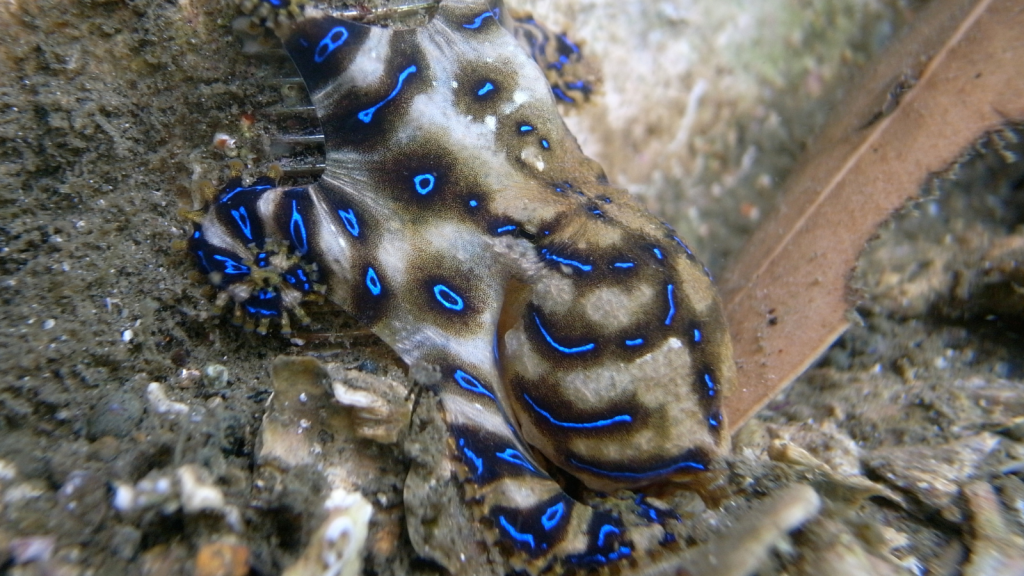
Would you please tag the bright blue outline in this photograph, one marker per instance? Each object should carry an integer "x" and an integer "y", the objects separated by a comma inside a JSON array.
[
  {"x": 479, "y": 20},
  {"x": 658, "y": 472},
  {"x": 476, "y": 460},
  {"x": 566, "y": 261},
  {"x": 475, "y": 385},
  {"x": 459, "y": 303},
  {"x": 516, "y": 457},
  {"x": 367, "y": 115},
  {"x": 597, "y": 424},
  {"x": 349, "y": 219},
  {"x": 423, "y": 191},
  {"x": 559, "y": 510},
  {"x": 296, "y": 217},
  {"x": 371, "y": 274},
  {"x": 671, "y": 306},
  {"x": 519, "y": 536},
  {"x": 232, "y": 266},
  {"x": 240, "y": 189},
  {"x": 245, "y": 226},
  {"x": 331, "y": 46},
  {"x": 604, "y": 530},
  {"x": 559, "y": 347}
]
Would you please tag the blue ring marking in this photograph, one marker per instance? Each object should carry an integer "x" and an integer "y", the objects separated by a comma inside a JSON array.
[
  {"x": 480, "y": 20},
  {"x": 636, "y": 342},
  {"x": 241, "y": 189},
  {"x": 657, "y": 253},
  {"x": 710, "y": 383},
  {"x": 518, "y": 536},
  {"x": 476, "y": 460},
  {"x": 685, "y": 465},
  {"x": 696, "y": 335},
  {"x": 559, "y": 259},
  {"x": 671, "y": 306},
  {"x": 562, "y": 95},
  {"x": 243, "y": 221},
  {"x": 372, "y": 282},
  {"x": 525, "y": 128},
  {"x": 605, "y": 530},
  {"x": 552, "y": 516},
  {"x": 623, "y": 265},
  {"x": 448, "y": 298},
  {"x": 597, "y": 424},
  {"x": 297, "y": 222},
  {"x": 348, "y": 217},
  {"x": 230, "y": 266},
  {"x": 545, "y": 144},
  {"x": 559, "y": 347},
  {"x": 503, "y": 229},
  {"x": 327, "y": 45},
  {"x": 473, "y": 203},
  {"x": 487, "y": 88},
  {"x": 515, "y": 457},
  {"x": 367, "y": 115},
  {"x": 472, "y": 384},
  {"x": 422, "y": 188}
]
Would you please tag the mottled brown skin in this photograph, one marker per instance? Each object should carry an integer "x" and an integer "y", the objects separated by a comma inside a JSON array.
[{"x": 459, "y": 220}]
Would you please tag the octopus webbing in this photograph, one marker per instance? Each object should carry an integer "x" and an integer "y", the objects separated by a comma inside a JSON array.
[{"x": 459, "y": 220}]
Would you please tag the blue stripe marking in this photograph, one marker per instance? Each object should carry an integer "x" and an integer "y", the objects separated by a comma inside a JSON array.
[
  {"x": 685, "y": 465},
  {"x": 329, "y": 44},
  {"x": 657, "y": 252},
  {"x": 696, "y": 335},
  {"x": 710, "y": 383},
  {"x": 476, "y": 460},
  {"x": 545, "y": 144},
  {"x": 559, "y": 347},
  {"x": 636, "y": 342},
  {"x": 671, "y": 306},
  {"x": 518, "y": 536},
  {"x": 449, "y": 299},
  {"x": 487, "y": 88},
  {"x": 242, "y": 217},
  {"x": 230, "y": 266},
  {"x": 479, "y": 20},
  {"x": 473, "y": 203},
  {"x": 367, "y": 115},
  {"x": 596, "y": 424},
  {"x": 504, "y": 229},
  {"x": 552, "y": 516},
  {"x": 623, "y": 265},
  {"x": 561, "y": 95},
  {"x": 348, "y": 217},
  {"x": 525, "y": 128},
  {"x": 472, "y": 384},
  {"x": 372, "y": 282},
  {"x": 422, "y": 188},
  {"x": 298, "y": 229},
  {"x": 681, "y": 243},
  {"x": 241, "y": 189},
  {"x": 605, "y": 530},
  {"x": 566, "y": 261},
  {"x": 515, "y": 457}
]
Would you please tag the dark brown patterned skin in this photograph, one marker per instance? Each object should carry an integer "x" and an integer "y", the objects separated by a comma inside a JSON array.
[{"x": 459, "y": 220}]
